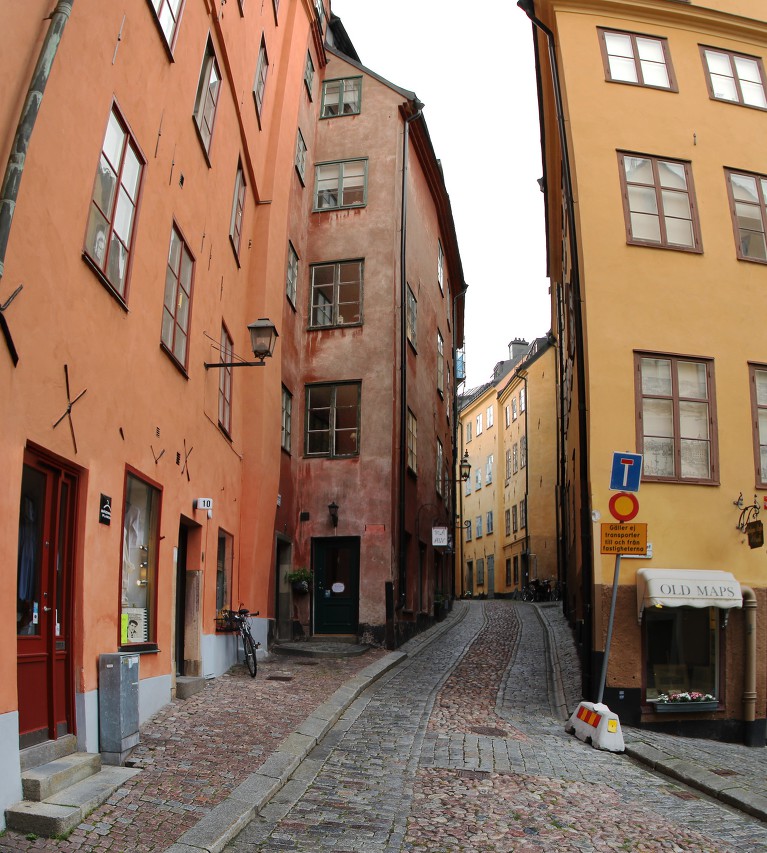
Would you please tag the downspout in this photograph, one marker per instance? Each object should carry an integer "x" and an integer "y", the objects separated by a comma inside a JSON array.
[
  {"x": 753, "y": 734},
  {"x": 561, "y": 456},
  {"x": 18, "y": 155},
  {"x": 528, "y": 7},
  {"x": 457, "y": 482},
  {"x": 403, "y": 357}
]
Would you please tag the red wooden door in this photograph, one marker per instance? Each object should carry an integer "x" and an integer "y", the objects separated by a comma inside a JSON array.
[{"x": 43, "y": 604}]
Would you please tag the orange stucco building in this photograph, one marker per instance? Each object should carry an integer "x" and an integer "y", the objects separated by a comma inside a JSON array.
[
  {"x": 652, "y": 117},
  {"x": 176, "y": 171}
]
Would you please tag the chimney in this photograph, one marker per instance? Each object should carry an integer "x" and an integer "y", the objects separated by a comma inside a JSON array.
[{"x": 517, "y": 348}]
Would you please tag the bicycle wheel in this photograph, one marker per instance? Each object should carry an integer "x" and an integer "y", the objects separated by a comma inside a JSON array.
[{"x": 249, "y": 646}]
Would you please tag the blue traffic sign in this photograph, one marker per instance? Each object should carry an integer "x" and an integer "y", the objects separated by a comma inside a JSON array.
[{"x": 626, "y": 473}]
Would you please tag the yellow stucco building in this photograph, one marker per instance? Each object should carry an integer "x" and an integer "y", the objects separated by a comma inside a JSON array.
[{"x": 655, "y": 174}]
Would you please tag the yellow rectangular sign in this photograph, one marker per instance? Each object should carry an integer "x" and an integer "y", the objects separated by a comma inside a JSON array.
[{"x": 624, "y": 538}]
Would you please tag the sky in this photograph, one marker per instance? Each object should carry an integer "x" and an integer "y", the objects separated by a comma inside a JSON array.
[{"x": 472, "y": 65}]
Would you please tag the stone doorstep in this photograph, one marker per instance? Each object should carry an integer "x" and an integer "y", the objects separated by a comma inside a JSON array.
[
  {"x": 44, "y": 781},
  {"x": 188, "y": 685},
  {"x": 63, "y": 811}
]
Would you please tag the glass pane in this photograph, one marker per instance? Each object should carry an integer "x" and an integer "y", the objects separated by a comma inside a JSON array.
[
  {"x": 693, "y": 420},
  {"x": 655, "y": 74},
  {"x": 113, "y": 142},
  {"x": 658, "y": 458},
  {"x": 672, "y": 175},
  {"x": 353, "y": 183},
  {"x": 186, "y": 272},
  {"x": 618, "y": 44},
  {"x": 747, "y": 70},
  {"x": 123, "y": 216},
  {"x": 656, "y": 376},
  {"x": 638, "y": 170},
  {"x": 170, "y": 290},
  {"x": 30, "y": 554},
  {"x": 695, "y": 460},
  {"x": 347, "y": 395},
  {"x": 718, "y": 63},
  {"x": 749, "y": 216},
  {"x": 167, "y": 328},
  {"x": 679, "y": 232},
  {"x": 724, "y": 88},
  {"x": 318, "y": 442},
  {"x": 179, "y": 346},
  {"x": 139, "y": 557},
  {"x": 763, "y": 427},
  {"x": 763, "y": 461},
  {"x": 676, "y": 204},
  {"x": 118, "y": 261},
  {"x": 174, "y": 252},
  {"x": 752, "y": 245},
  {"x": 650, "y": 49},
  {"x": 167, "y": 23},
  {"x": 351, "y": 96},
  {"x": 104, "y": 187},
  {"x": 761, "y": 389},
  {"x": 131, "y": 173},
  {"x": 96, "y": 236},
  {"x": 658, "y": 418},
  {"x": 691, "y": 376},
  {"x": 744, "y": 188},
  {"x": 753, "y": 94},
  {"x": 182, "y": 310},
  {"x": 645, "y": 227},
  {"x": 642, "y": 200}
]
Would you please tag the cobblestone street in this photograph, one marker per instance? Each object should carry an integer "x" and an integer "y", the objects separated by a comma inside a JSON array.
[{"x": 463, "y": 748}]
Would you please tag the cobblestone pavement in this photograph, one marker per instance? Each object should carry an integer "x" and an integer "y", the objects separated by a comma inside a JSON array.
[
  {"x": 194, "y": 752},
  {"x": 462, "y": 748}
]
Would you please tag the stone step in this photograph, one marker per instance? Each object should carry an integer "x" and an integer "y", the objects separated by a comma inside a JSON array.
[
  {"x": 41, "y": 783},
  {"x": 49, "y": 750},
  {"x": 62, "y": 812},
  {"x": 188, "y": 685}
]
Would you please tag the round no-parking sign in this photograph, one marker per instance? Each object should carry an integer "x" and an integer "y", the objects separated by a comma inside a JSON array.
[{"x": 624, "y": 506}]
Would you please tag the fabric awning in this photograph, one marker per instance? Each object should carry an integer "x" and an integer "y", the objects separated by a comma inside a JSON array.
[{"x": 686, "y": 588}]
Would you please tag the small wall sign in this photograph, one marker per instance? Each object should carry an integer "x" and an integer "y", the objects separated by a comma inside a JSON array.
[
  {"x": 105, "y": 510},
  {"x": 203, "y": 503}
]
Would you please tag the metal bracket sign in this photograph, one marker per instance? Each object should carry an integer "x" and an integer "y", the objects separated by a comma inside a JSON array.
[
  {"x": 624, "y": 539},
  {"x": 626, "y": 472}
]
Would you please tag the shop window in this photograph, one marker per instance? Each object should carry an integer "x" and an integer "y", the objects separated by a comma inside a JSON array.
[
  {"x": 224, "y": 561},
  {"x": 138, "y": 617},
  {"x": 681, "y": 651}
]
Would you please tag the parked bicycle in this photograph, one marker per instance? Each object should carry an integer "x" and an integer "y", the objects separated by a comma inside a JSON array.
[{"x": 239, "y": 619}]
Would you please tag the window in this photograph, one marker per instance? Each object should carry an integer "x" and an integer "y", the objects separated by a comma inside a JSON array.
[
  {"x": 508, "y": 464},
  {"x": 178, "y": 297},
  {"x": 479, "y": 527},
  {"x": 287, "y": 418},
  {"x": 523, "y": 513},
  {"x": 440, "y": 267},
  {"x": 224, "y": 560},
  {"x": 138, "y": 601},
  {"x": 467, "y": 525},
  {"x": 300, "y": 160},
  {"x": 309, "y": 74},
  {"x": 642, "y": 60},
  {"x": 507, "y": 411},
  {"x": 514, "y": 519},
  {"x": 523, "y": 451},
  {"x": 337, "y": 294},
  {"x": 339, "y": 185},
  {"x": 522, "y": 400},
  {"x": 341, "y": 97},
  {"x": 513, "y": 408},
  {"x": 291, "y": 276},
  {"x": 412, "y": 317},
  {"x": 112, "y": 215},
  {"x": 759, "y": 420},
  {"x": 238, "y": 207},
  {"x": 412, "y": 441},
  {"x": 508, "y": 571},
  {"x": 440, "y": 363},
  {"x": 225, "y": 383},
  {"x": 467, "y": 487},
  {"x": 168, "y": 14},
  {"x": 320, "y": 9},
  {"x": 206, "y": 100},
  {"x": 468, "y": 431},
  {"x": 440, "y": 466},
  {"x": 333, "y": 420},
  {"x": 489, "y": 416},
  {"x": 681, "y": 650},
  {"x": 481, "y": 572},
  {"x": 276, "y": 6},
  {"x": 489, "y": 469},
  {"x": 507, "y": 523},
  {"x": 658, "y": 202},
  {"x": 262, "y": 69},
  {"x": 490, "y": 522},
  {"x": 748, "y": 195},
  {"x": 675, "y": 418},
  {"x": 514, "y": 458},
  {"x": 734, "y": 77},
  {"x": 478, "y": 478},
  {"x": 516, "y": 570},
  {"x": 479, "y": 424}
]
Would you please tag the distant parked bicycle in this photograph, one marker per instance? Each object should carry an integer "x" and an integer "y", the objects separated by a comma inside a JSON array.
[{"x": 239, "y": 618}]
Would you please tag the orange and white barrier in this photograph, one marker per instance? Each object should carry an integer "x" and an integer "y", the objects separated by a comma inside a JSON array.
[{"x": 596, "y": 724}]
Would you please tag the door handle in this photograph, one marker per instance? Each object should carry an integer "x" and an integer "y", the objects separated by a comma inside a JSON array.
[{"x": 46, "y": 609}]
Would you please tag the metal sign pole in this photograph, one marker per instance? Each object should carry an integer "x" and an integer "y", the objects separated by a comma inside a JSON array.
[{"x": 603, "y": 677}]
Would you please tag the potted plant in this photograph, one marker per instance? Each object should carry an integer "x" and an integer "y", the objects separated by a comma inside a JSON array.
[
  {"x": 687, "y": 702},
  {"x": 300, "y": 579}
]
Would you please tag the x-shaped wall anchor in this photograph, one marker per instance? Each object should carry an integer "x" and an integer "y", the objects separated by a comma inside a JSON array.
[
  {"x": 4, "y": 325},
  {"x": 70, "y": 403},
  {"x": 185, "y": 466}
]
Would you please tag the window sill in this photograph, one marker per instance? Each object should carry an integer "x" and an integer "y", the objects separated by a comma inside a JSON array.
[
  {"x": 140, "y": 649},
  {"x": 105, "y": 282},
  {"x": 334, "y": 326},
  {"x": 174, "y": 361},
  {"x": 236, "y": 252}
]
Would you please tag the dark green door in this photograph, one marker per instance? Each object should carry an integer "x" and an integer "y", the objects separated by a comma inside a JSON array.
[{"x": 336, "y": 564}]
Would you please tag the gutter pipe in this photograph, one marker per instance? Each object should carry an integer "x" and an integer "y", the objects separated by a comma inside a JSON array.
[{"x": 528, "y": 7}]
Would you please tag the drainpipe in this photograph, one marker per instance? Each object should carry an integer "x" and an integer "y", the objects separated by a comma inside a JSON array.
[
  {"x": 17, "y": 158},
  {"x": 528, "y": 7},
  {"x": 403, "y": 357},
  {"x": 752, "y": 733},
  {"x": 458, "y": 483}
]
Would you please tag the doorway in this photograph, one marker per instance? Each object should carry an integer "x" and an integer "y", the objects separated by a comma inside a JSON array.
[
  {"x": 282, "y": 587},
  {"x": 336, "y": 564},
  {"x": 45, "y": 576}
]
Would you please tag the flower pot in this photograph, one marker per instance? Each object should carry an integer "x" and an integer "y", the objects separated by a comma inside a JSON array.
[
  {"x": 686, "y": 707},
  {"x": 300, "y": 586}
]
